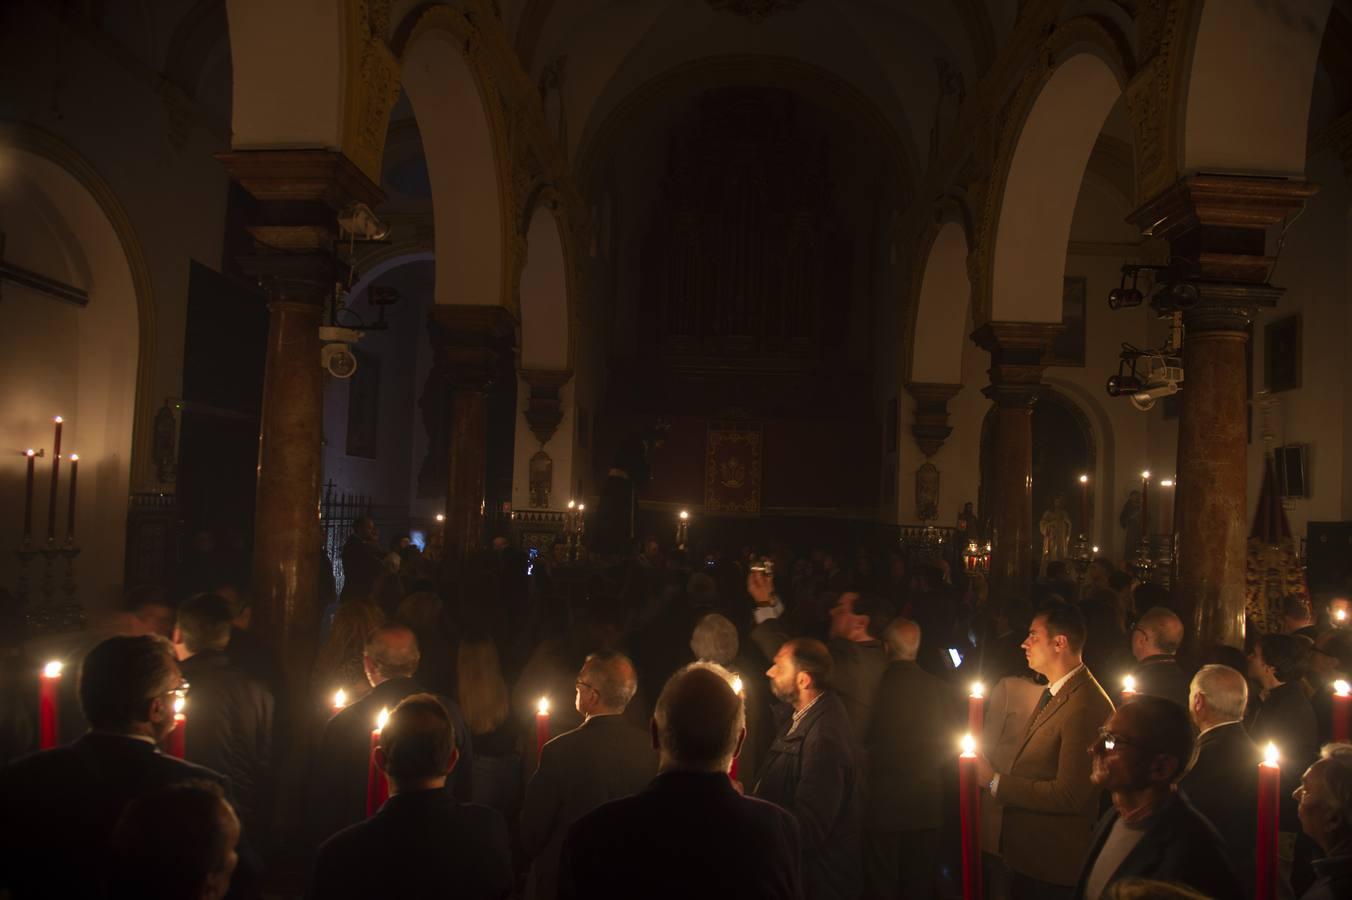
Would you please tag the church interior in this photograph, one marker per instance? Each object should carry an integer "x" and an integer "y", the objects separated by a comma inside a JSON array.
[{"x": 1005, "y": 282}]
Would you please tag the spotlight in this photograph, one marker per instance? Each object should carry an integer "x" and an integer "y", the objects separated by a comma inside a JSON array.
[{"x": 1119, "y": 385}]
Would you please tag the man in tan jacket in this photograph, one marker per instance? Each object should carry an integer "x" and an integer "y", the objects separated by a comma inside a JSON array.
[{"x": 1048, "y": 805}]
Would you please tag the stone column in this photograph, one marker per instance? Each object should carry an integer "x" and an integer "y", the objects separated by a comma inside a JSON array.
[
  {"x": 1222, "y": 250},
  {"x": 299, "y": 194},
  {"x": 1017, "y": 350},
  {"x": 472, "y": 347}
]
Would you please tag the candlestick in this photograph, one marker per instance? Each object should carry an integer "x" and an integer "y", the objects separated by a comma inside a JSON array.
[
  {"x": 1342, "y": 710},
  {"x": 28, "y": 497},
  {"x": 1269, "y": 795},
  {"x": 682, "y": 526},
  {"x": 339, "y": 700},
  {"x": 541, "y": 727},
  {"x": 377, "y": 784},
  {"x": 969, "y": 792},
  {"x": 1145, "y": 505},
  {"x": 1084, "y": 504},
  {"x": 736, "y": 689},
  {"x": 1128, "y": 688},
  {"x": 56, "y": 473},
  {"x": 176, "y": 744},
  {"x": 976, "y": 708},
  {"x": 70, "y": 502},
  {"x": 49, "y": 703}
]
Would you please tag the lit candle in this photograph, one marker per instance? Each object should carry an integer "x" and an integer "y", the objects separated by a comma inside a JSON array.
[
  {"x": 49, "y": 731},
  {"x": 1269, "y": 796},
  {"x": 70, "y": 503},
  {"x": 1084, "y": 504},
  {"x": 56, "y": 472},
  {"x": 969, "y": 793},
  {"x": 1168, "y": 496},
  {"x": 176, "y": 744},
  {"x": 976, "y": 708},
  {"x": 1340, "y": 616},
  {"x": 736, "y": 689},
  {"x": 28, "y": 497},
  {"x": 682, "y": 526},
  {"x": 1342, "y": 710},
  {"x": 441, "y": 517},
  {"x": 541, "y": 727},
  {"x": 377, "y": 785},
  {"x": 1145, "y": 505},
  {"x": 339, "y": 700},
  {"x": 1128, "y": 688}
]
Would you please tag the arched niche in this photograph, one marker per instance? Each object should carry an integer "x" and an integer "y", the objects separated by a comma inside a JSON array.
[
  {"x": 544, "y": 295},
  {"x": 940, "y": 324},
  {"x": 90, "y": 364},
  {"x": 1247, "y": 104},
  {"x": 1042, "y": 186},
  {"x": 458, "y": 143}
]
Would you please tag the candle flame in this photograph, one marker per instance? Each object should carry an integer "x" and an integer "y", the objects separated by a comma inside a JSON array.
[
  {"x": 572, "y": 504},
  {"x": 57, "y": 419},
  {"x": 968, "y": 745},
  {"x": 1340, "y": 615},
  {"x": 581, "y": 506},
  {"x": 542, "y": 708},
  {"x": 978, "y": 690},
  {"x": 684, "y": 514},
  {"x": 179, "y": 703},
  {"x": 52, "y": 669},
  {"x": 737, "y": 685},
  {"x": 1168, "y": 482},
  {"x": 1342, "y": 688},
  {"x": 1084, "y": 479},
  {"x": 1129, "y": 685},
  {"x": 30, "y": 452},
  {"x": 74, "y": 457},
  {"x": 1270, "y": 755},
  {"x": 441, "y": 517},
  {"x": 1145, "y": 475},
  {"x": 1096, "y": 548},
  {"x": 382, "y": 718},
  {"x": 339, "y": 698}
]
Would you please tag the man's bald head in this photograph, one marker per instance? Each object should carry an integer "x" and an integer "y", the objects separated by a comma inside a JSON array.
[
  {"x": 1163, "y": 630},
  {"x": 699, "y": 720},
  {"x": 903, "y": 639},
  {"x": 391, "y": 652},
  {"x": 1218, "y": 694}
]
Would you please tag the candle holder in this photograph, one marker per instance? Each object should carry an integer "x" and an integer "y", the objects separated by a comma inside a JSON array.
[
  {"x": 1142, "y": 564},
  {"x": 26, "y": 552},
  {"x": 50, "y": 613},
  {"x": 1081, "y": 554}
]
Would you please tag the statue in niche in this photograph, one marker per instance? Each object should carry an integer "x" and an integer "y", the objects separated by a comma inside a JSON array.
[
  {"x": 541, "y": 479},
  {"x": 1055, "y": 527},
  {"x": 968, "y": 527}
]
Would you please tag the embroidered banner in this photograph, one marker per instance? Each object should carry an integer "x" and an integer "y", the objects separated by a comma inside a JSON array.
[{"x": 732, "y": 471}]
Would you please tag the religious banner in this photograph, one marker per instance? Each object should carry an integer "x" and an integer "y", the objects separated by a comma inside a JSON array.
[
  {"x": 1274, "y": 570},
  {"x": 732, "y": 470}
]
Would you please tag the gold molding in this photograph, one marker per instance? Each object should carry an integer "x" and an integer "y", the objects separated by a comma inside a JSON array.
[{"x": 372, "y": 83}]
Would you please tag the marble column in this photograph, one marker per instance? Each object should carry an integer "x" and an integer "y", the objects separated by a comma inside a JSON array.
[
  {"x": 472, "y": 347},
  {"x": 295, "y": 225},
  {"x": 1220, "y": 231},
  {"x": 1017, "y": 350}
]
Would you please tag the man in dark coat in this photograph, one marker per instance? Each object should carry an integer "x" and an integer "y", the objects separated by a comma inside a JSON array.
[
  {"x": 689, "y": 834},
  {"x": 1283, "y": 714},
  {"x": 1222, "y": 782},
  {"x": 812, "y": 769},
  {"x": 1151, "y": 831},
  {"x": 58, "y": 808},
  {"x": 910, "y": 749},
  {"x": 231, "y": 711},
  {"x": 341, "y": 766},
  {"x": 422, "y": 843},
  {"x": 1154, "y": 643},
  {"x": 602, "y": 759},
  {"x": 858, "y": 658},
  {"x": 363, "y": 558}
]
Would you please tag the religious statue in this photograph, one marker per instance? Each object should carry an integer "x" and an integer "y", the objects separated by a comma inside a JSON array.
[
  {"x": 968, "y": 526},
  {"x": 1130, "y": 519},
  {"x": 927, "y": 492},
  {"x": 1055, "y": 528}
]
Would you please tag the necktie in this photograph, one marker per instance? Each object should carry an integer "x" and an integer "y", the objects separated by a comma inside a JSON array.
[{"x": 1043, "y": 701}]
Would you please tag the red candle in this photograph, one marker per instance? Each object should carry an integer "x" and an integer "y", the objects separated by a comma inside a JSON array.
[
  {"x": 28, "y": 497},
  {"x": 1145, "y": 505},
  {"x": 70, "y": 508},
  {"x": 377, "y": 785},
  {"x": 49, "y": 728},
  {"x": 541, "y": 727},
  {"x": 976, "y": 709},
  {"x": 56, "y": 472},
  {"x": 969, "y": 792},
  {"x": 737, "y": 689},
  {"x": 1269, "y": 796},
  {"x": 1128, "y": 688},
  {"x": 1342, "y": 710},
  {"x": 176, "y": 744}
]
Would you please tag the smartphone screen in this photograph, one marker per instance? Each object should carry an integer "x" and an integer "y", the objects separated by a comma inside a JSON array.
[{"x": 955, "y": 656}]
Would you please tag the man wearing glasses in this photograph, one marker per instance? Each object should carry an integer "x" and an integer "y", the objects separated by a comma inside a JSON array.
[
  {"x": 603, "y": 759},
  {"x": 1152, "y": 831}
]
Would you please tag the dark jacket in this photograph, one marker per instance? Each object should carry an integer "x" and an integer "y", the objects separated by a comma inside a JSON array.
[
  {"x": 856, "y": 673},
  {"x": 1162, "y": 676},
  {"x": 1222, "y": 785},
  {"x": 602, "y": 759},
  {"x": 910, "y": 749},
  {"x": 1332, "y": 879},
  {"x": 338, "y": 788},
  {"x": 363, "y": 564},
  {"x": 1179, "y": 845},
  {"x": 229, "y": 729},
  {"x": 58, "y": 809},
  {"x": 688, "y": 834},
  {"x": 420, "y": 845},
  {"x": 813, "y": 771}
]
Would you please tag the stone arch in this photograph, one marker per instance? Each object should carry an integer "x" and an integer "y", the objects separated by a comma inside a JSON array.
[
  {"x": 95, "y": 364},
  {"x": 464, "y": 140},
  {"x": 545, "y": 320},
  {"x": 942, "y": 296}
]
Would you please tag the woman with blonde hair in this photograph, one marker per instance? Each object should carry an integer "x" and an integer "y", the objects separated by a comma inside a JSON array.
[{"x": 483, "y": 698}]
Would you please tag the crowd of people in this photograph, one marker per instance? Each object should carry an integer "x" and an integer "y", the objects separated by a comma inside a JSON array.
[{"x": 748, "y": 725}]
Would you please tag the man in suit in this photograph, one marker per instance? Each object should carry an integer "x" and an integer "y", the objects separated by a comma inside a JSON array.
[
  {"x": 689, "y": 833},
  {"x": 178, "y": 841},
  {"x": 1155, "y": 642},
  {"x": 231, "y": 711},
  {"x": 910, "y": 749},
  {"x": 1222, "y": 782},
  {"x": 339, "y": 785},
  {"x": 1151, "y": 831},
  {"x": 858, "y": 658},
  {"x": 422, "y": 843},
  {"x": 813, "y": 770},
  {"x": 58, "y": 808},
  {"x": 602, "y": 759},
  {"x": 1048, "y": 804}
]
